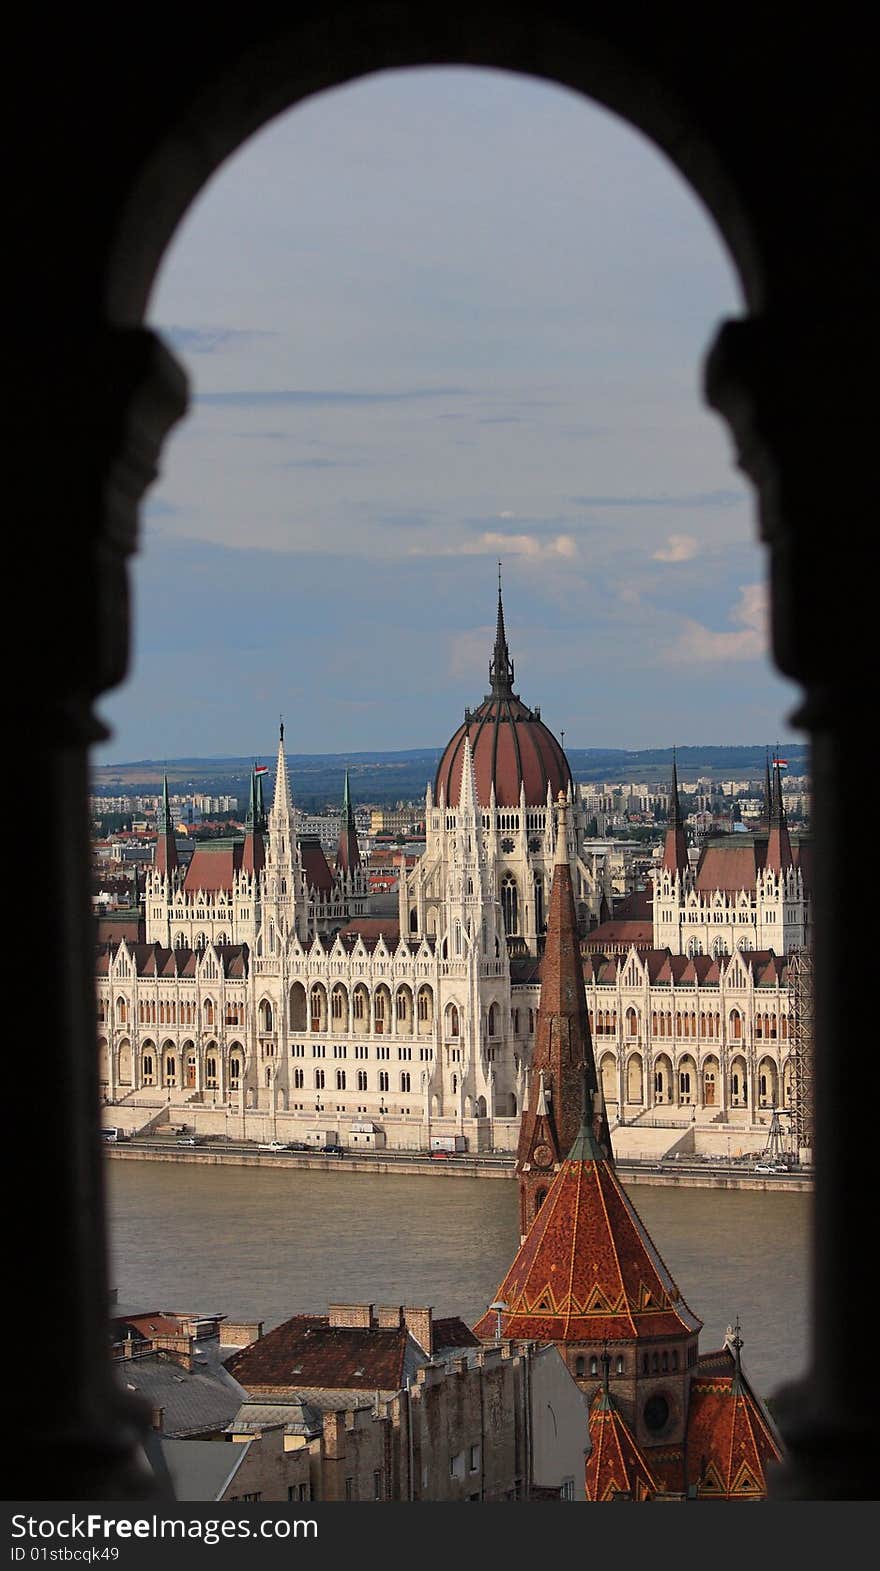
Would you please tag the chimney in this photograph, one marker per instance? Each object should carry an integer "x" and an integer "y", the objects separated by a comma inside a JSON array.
[
  {"x": 158, "y": 1419},
  {"x": 351, "y": 1315},
  {"x": 390, "y": 1317},
  {"x": 420, "y": 1325}
]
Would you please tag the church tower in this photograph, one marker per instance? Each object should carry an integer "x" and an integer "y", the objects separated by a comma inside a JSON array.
[{"x": 563, "y": 1068}]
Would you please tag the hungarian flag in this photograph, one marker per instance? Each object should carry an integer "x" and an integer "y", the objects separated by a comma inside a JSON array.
[
  {"x": 261, "y": 769},
  {"x": 782, "y": 762}
]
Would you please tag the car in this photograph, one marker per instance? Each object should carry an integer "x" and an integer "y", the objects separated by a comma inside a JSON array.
[
  {"x": 334, "y": 1150},
  {"x": 441, "y": 1156},
  {"x": 272, "y": 1145},
  {"x": 768, "y": 1167},
  {"x": 298, "y": 1145},
  {"x": 187, "y": 1140}
]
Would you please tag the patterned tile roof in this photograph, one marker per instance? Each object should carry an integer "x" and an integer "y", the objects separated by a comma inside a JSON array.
[
  {"x": 587, "y": 1269},
  {"x": 615, "y": 1466},
  {"x": 730, "y": 1436}
]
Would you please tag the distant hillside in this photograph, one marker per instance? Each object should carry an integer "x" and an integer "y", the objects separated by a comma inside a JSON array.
[{"x": 383, "y": 777}]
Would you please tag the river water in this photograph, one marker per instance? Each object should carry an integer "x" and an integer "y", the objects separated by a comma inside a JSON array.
[{"x": 262, "y": 1245}]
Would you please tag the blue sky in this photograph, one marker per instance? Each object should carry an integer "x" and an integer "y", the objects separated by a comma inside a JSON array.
[{"x": 432, "y": 319}]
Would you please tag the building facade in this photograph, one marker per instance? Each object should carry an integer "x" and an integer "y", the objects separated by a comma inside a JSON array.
[{"x": 265, "y": 992}]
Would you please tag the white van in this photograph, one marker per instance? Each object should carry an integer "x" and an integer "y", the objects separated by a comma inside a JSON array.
[{"x": 112, "y": 1134}]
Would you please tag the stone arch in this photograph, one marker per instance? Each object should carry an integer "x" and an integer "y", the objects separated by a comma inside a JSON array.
[
  {"x": 739, "y": 1081},
  {"x": 635, "y": 1078},
  {"x": 425, "y": 1010},
  {"x": 608, "y": 1077},
  {"x": 664, "y": 1090},
  {"x": 265, "y": 1016},
  {"x": 382, "y": 1009},
  {"x": 339, "y": 1009},
  {"x": 767, "y": 1082},
  {"x": 124, "y": 1062},
  {"x": 211, "y": 1077},
  {"x": 687, "y": 1086},
  {"x": 480, "y": 1107},
  {"x": 297, "y": 1008},
  {"x": 317, "y": 1007},
  {"x": 360, "y": 1010},
  {"x": 236, "y": 1065},
  {"x": 404, "y": 1010},
  {"x": 452, "y": 1020},
  {"x": 710, "y": 1081},
  {"x": 280, "y": 1099}
]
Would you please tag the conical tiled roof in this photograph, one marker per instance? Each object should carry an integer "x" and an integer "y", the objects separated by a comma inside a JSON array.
[
  {"x": 587, "y": 1269},
  {"x": 615, "y": 1466},
  {"x": 730, "y": 1436}
]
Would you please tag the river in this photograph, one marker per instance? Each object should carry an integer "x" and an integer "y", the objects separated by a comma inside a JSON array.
[{"x": 263, "y": 1245}]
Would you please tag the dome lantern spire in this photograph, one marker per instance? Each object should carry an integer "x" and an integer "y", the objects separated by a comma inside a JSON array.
[{"x": 501, "y": 665}]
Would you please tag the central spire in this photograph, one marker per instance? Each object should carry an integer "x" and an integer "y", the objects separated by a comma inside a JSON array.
[{"x": 501, "y": 665}]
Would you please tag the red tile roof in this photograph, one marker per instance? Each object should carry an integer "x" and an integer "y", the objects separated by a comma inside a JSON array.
[
  {"x": 588, "y": 1269},
  {"x": 316, "y": 867},
  {"x": 730, "y": 1437},
  {"x": 306, "y": 1351},
  {"x": 213, "y": 867},
  {"x": 511, "y": 747},
  {"x": 615, "y": 1466}
]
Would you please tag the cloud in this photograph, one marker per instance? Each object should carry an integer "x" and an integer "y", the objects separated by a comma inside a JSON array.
[
  {"x": 240, "y": 398},
  {"x": 208, "y": 340},
  {"x": 689, "y": 499},
  {"x": 680, "y": 548},
  {"x": 322, "y": 463},
  {"x": 750, "y": 641},
  {"x": 494, "y": 542}
]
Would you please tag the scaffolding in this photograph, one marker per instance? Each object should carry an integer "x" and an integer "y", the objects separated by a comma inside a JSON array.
[{"x": 800, "y": 968}]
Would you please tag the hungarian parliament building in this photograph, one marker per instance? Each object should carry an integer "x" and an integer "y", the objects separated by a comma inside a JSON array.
[{"x": 262, "y": 998}]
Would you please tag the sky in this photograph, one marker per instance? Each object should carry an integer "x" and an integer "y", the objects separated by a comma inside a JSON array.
[{"x": 434, "y": 319}]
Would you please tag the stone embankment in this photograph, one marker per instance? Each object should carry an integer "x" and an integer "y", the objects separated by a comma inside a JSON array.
[{"x": 674, "y": 1174}]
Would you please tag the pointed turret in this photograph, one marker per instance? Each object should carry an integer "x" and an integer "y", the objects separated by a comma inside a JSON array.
[
  {"x": 468, "y": 802},
  {"x": 564, "y": 1080},
  {"x": 166, "y": 844},
  {"x": 501, "y": 665},
  {"x": 616, "y": 1467},
  {"x": 348, "y": 855},
  {"x": 253, "y": 857},
  {"x": 768, "y": 792},
  {"x": 675, "y": 857},
  {"x": 779, "y": 856},
  {"x": 282, "y": 804}
]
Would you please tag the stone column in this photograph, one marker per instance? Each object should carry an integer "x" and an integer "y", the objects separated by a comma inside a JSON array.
[
  {"x": 91, "y": 441},
  {"x": 794, "y": 390}
]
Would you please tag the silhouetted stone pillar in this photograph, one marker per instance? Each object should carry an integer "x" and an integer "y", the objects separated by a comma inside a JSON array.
[
  {"x": 800, "y": 419},
  {"x": 93, "y": 444}
]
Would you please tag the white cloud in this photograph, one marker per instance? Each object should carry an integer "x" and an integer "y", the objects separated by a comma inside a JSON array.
[
  {"x": 503, "y": 545},
  {"x": 750, "y": 641},
  {"x": 679, "y": 548}
]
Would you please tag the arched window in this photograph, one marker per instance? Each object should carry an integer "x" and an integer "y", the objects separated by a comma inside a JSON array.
[
  {"x": 452, "y": 1020},
  {"x": 383, "y": 1080},
  {"x": 404, "y": 1080},
  {"x": 736, "y": 1025},
  {"x": 340, "y": 1079},
  {"x": 580, "y": 1366},
  {"x": 234, "y": 1073},
  {"x": 539, "y": 903},
  {"x": 319, "y": 1079},
  {"x": 298, "y": 1078},
  {"x": 594, "y": 1365},
  {"x": 493, "y": 1019},
  {"x": 510, "y": 904},
  {"x": 362, "y": 1080}
]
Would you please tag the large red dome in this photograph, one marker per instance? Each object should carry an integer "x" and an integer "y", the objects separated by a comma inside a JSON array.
[{"x": 511, "y": 745}]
